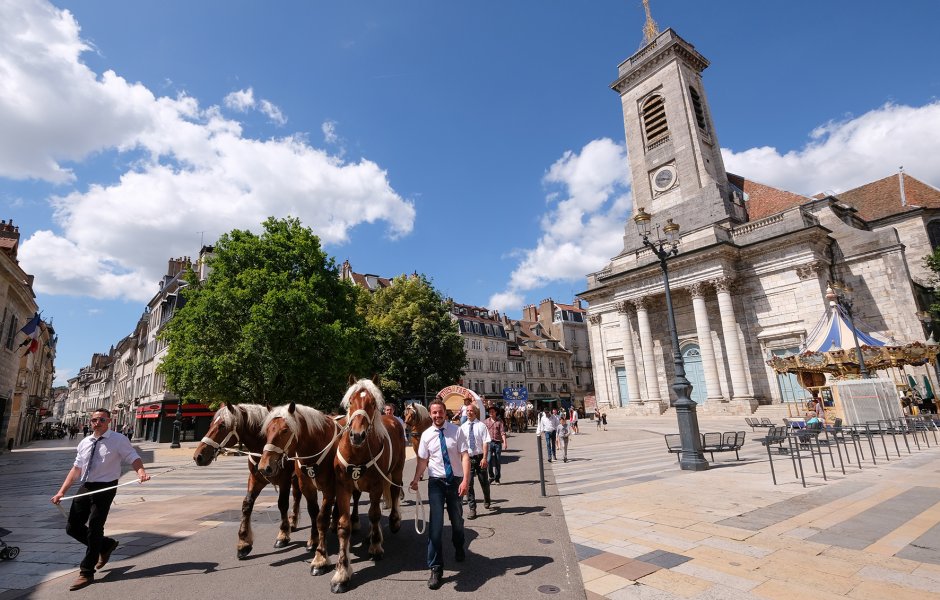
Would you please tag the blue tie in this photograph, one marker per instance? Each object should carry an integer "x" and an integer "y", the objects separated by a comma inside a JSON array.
[
  {"x": 473, "y": 446},
  {"x": 91, "y": 460},
  {"x": 448, "y": 470}
]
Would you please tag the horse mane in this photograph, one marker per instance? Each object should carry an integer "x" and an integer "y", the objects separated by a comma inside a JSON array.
[
  {"x": 422, "y": 411},
  {"x": 250, "y": 415},
  {"x": 369, "y": 386},
  {"x": 314, "y": 420}
]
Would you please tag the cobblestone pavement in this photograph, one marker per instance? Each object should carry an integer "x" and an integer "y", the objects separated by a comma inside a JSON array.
[{"x": 642, "y": 528}]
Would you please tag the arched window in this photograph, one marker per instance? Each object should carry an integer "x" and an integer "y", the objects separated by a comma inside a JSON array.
[
  {"x": 698, "y": 109},
  {"x": 654, "y": 120},
  {"x": 933, "y": 232}
]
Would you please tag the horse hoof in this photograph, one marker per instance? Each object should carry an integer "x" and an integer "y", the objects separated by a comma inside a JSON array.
[
  {"x": 317, "y": 571},
  {"x": 340, "y": 588},
  {"x": 244, "y": 552},
  {"x": 281, "y": 543},
  {"x": 394, "y": 527}
]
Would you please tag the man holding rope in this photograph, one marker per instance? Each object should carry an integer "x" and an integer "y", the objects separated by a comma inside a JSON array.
[{"x": 97, "y": 466}]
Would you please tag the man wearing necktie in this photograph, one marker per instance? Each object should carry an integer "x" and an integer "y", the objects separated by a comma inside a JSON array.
[
  {"x": 98, "y": 463},
  {"x": 443, "y": 453},
  {"x": 478, "y": 440}
]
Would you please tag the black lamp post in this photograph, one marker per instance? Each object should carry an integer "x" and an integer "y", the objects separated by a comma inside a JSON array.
[
  {"x": 837, "y": 294},
  {"x": 177, "y": 424},
  {"x": 691, "y": 457}
]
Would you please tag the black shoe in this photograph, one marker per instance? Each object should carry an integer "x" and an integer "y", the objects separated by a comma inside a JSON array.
[
  {"x": 459, "y": 555},
  {"x": 566, "y": 460},
  {"x": 486, "y": 505},
  {"x": 472, "y": 514},
  {"x": 549, "y": 460},
  {"x": 434, "y": 581}
]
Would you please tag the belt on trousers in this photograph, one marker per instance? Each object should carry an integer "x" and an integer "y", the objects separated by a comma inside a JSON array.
[{"x": 477, "y": 456}]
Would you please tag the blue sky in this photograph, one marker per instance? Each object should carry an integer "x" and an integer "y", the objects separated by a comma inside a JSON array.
[{"x": 475, "y": 142}]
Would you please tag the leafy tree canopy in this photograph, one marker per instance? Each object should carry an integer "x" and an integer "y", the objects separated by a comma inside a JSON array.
[
  {"x": 272, "y": 323},
  {"x": 414, "y": 338}
]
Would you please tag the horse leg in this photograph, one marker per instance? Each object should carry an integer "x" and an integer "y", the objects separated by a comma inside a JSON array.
[
  {"x": 310, "y": 493},
  {"x": 283, "y": 503},
  {"x": 321, "y": 560},
  {"x": 295, "y": 507},
  {"x": 354, "y": 518},
  {"x": 394, "y": 516},
  {"x": 246, "y": 536},
  {"x": 340, "y": 581},
  {"x": 375, "y": 529}
]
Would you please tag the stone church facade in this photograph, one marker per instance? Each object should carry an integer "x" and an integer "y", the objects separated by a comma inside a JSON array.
[{"x": 753, "y": 265}]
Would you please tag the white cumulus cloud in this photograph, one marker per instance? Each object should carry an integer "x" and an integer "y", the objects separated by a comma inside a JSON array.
[{"x": 192, "y": 169}]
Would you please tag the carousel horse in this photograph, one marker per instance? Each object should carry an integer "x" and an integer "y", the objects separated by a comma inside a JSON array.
[
  {"x": 302, "y": 440},
  {"x": 417, "y": 418},
  {"x": 370, "y": 458},
  {"x": 241, "y": 424}
]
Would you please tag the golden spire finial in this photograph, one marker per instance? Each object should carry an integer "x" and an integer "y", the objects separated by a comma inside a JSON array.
[{"x": 650, "y": 29}]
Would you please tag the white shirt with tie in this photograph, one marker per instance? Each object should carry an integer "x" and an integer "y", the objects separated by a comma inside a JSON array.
[
  {"x": 430, "y": 448},
  {"x": 112, "y": 452},
  {"x": 478, "y": 436}
]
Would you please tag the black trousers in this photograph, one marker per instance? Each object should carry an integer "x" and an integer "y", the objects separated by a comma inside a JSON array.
[
  {"x": 86, "y": 521},
  {"x": 481, "y": 474}
]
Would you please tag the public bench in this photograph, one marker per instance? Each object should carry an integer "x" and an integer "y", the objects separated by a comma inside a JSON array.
[
  {"x": 674, "y": 445},
  {"x": 730, "y": 441}
]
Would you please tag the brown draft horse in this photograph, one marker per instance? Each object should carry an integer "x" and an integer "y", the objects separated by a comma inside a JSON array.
[
  {"x": 370, "y": 458},
  {"x": 307, "y": 438},
  {"x": 241, "y": 424},
  {"x": 417, "y": 418}
]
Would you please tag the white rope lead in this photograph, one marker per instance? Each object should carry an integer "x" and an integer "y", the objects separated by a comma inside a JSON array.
[
  {"x": 113, "y": 487},
  {"x": 420, "y": 515}
]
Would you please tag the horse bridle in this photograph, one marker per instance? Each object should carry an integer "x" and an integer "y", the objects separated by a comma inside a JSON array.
[{"x": 220, "y": 447}]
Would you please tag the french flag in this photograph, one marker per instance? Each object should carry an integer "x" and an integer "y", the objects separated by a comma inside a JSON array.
[{"x": 31, "y": 329}]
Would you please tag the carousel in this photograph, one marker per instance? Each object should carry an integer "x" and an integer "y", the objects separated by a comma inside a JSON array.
[{"x": 830, "y": 359}]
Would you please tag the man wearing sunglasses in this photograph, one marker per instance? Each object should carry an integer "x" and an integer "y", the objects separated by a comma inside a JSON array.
[{"x": 97, "y": 466}]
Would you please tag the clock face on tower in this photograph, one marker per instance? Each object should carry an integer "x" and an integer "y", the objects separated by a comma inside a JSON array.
[{"x": 664, "y": 178}]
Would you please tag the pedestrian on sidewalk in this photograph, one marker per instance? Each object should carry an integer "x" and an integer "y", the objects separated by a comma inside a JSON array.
[
  {"x": 546, "y": 426},
  {"x": 498, "y": 443},
  {"x": 443, "y": 452},
  {"x": 573, "y": 421},
  {"x": 97, "y": 466},
  {"x": 564, "y": 431},
  {"x": 597, "y": 417},
  {"x": 478, "y": 440}
]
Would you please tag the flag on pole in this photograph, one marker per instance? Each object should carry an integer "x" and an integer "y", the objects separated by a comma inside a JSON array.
[{"x": 31, "y": 329}]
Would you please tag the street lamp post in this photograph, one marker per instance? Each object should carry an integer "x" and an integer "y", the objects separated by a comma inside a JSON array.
[
  {"x": 177, "y": 424},
  {"x": 837, "y": 294},
  {"x": 691, "y": 458}
]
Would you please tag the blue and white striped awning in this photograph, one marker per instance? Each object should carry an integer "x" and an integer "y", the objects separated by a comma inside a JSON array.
[{"x": 833, "y": 332}]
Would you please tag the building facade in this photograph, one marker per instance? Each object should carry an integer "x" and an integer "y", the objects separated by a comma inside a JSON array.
[
  {"x": 754, "y": 262},
  {"x": 567, "y": 323}
]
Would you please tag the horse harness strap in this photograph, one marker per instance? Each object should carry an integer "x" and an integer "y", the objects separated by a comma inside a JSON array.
[{"x": 312, "y": 469}]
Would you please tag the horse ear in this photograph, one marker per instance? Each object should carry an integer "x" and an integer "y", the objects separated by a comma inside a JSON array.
[
  {"x": 229, "y": 406},
  {"x": 269, "y": 407},
  {"x": 291, "y": 408},
  {"x": 352, "y": 379},
  {"x": 376, "y": 379}
]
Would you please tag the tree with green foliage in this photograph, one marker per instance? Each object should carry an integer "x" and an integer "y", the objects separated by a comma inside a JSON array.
[
  {"x": 272, "y": 323},
  {"x": 416, "y": 343}
]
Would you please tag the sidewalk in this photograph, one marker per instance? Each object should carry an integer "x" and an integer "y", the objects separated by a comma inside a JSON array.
[{"x": 642, "y": 528}]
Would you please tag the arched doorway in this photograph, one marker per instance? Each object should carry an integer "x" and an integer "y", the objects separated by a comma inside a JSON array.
[{"x": 692, "y": 357}]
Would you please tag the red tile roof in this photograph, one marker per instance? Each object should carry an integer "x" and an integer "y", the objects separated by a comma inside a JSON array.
[
  {"x": 763, "y": 200},
  {"x": 882, "y": 198}
]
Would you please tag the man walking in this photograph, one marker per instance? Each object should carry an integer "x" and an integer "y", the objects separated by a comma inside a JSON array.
[
  {"x": 97, "y": 466},
  {"x": 443, "y": 452},
  {"x": 547, "y": 425},
  {"x": 478, "y": 440},
  {"x": 497, "y": 444}
]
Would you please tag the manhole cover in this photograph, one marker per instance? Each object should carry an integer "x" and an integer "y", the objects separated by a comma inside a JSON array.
[
  {"x": 546, "y": 541},
  {"x": 549, "y": 589},
  {"x": 545, "y": 514}
]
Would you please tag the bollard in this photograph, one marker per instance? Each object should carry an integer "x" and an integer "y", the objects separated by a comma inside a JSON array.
[{"x": 538, "y": 445}]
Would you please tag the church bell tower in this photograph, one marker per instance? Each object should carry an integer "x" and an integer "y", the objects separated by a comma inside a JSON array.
[{"x": 675, "y": 159}]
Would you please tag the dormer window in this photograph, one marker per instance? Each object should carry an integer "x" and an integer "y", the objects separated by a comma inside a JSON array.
[{"x": 654, "y": 120}]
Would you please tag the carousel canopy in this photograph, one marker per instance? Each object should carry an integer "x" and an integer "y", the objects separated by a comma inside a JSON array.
[{"x": 834, "y": 332}]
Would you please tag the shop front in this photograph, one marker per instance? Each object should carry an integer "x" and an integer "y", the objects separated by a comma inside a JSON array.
[{"x": 155, "y": 421}]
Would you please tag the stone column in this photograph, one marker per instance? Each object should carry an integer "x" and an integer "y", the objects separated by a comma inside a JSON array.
[
  {"x": 646, "y": 345},
  {"x": 629, "y": 355},
  {"x": 729, "y": 327},
  {"x": 704, "y": 332},
  {"x": 599, "y": 360}
]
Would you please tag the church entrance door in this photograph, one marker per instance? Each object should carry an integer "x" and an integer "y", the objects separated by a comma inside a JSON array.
[{"x": 692, "y": 357}]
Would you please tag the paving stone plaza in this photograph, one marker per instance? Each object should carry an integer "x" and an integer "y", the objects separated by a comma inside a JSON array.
[{"x": 620, "y": 520}]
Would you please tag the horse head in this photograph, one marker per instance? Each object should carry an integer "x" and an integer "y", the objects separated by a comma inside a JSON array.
[
  {"x": 223, "y": 428},
  {"x": 280, "y": 432},
  {"x": 363, "y": 403}
]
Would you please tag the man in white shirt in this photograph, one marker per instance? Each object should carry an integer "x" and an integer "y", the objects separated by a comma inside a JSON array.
[
  {"x": 443, "y": 452},
  {"x": 98, "y": 463},
  {"x": 389, "y": 410},
  {"x": 547, "y": 425},
  {"x": 478, "y": 440}
]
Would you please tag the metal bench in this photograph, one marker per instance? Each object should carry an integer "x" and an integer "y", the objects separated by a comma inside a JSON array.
[
  {"x": 776, "y": 436},
  {"x": 674, "y": 445},
  {"x": 730, "y": 441}
]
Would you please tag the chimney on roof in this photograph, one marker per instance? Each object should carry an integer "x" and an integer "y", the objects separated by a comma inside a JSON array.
[
  {"x": 10, "y": 231},
  {"x": 901, "y": 183}
]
